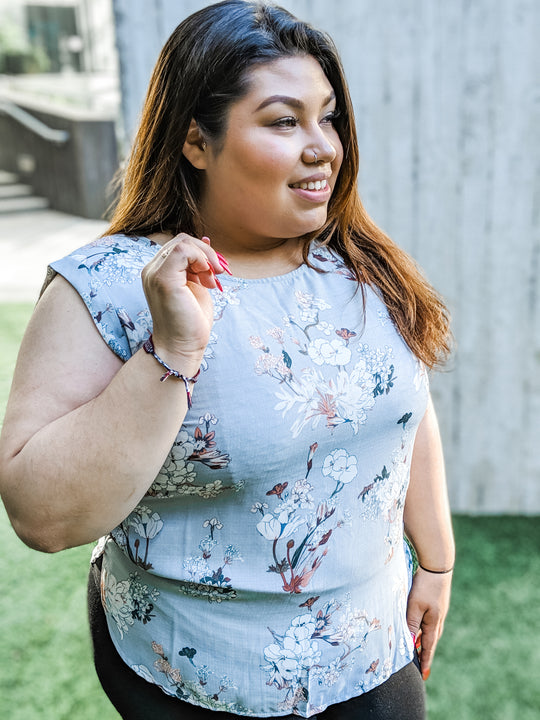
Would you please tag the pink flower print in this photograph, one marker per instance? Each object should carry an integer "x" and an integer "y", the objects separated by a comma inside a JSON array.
[
  {"x": 277, "y": 334},
  {"x": 256, "y": 342}
]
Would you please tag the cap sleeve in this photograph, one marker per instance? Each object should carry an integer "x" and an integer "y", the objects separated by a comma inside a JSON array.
[{"x": 107, "y": 276}]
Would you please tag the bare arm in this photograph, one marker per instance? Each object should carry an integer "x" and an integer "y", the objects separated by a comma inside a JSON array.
[
  {"x": 84, "y": 434},
  {"x": 429, "y": 527}
]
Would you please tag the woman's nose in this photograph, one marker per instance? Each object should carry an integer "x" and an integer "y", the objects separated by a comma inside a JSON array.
[{"x": 319, "y": 150}]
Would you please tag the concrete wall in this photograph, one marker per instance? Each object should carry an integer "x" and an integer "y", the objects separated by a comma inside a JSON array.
[{"x": 448, "y": 112}]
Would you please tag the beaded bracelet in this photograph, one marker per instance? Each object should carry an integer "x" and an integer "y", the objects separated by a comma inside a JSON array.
[
  {"x": 149, "y": 348},
  {"x": 436, "y": 572}
]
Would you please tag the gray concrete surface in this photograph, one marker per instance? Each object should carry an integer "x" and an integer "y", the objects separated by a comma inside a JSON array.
[{"x": 29, "y": 241}]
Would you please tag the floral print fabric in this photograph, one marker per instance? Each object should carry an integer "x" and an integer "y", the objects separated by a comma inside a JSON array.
[{"x": 265, "y": 572}]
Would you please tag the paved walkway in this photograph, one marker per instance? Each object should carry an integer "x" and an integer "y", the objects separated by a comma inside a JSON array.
[{"x": 29, "y": 241}]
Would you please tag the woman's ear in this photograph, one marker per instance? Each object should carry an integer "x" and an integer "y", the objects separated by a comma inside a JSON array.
[{"x": 195, "y": 147}]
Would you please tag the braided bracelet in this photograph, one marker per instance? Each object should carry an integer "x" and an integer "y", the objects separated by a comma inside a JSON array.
[
  {"x": 436, "y": 572},
  {"x": 149, "y": 348}
]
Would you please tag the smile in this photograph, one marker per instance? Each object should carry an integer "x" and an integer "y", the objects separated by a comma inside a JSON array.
[{"x": 316, "y": 185}]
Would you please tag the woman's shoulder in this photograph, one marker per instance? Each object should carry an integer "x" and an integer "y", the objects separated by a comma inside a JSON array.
[
  {"x": 106, "y": 274},
  {"x": 327, "y": 259},
  {"x": 108, "y": 252},
  {"x": 112, "y": 260}
]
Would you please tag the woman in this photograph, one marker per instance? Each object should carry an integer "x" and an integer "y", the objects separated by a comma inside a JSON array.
[{"x": 252, "y": 562}]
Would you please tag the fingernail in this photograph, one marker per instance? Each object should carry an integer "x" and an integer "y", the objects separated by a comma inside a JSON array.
[
  {"x": 218, "y": 284},
  {"x": 222, "y": 258},
  {"x": 224, "y": 264},
  {"x": 206, "y": 239},
  {"x": 425, "y": 674}
]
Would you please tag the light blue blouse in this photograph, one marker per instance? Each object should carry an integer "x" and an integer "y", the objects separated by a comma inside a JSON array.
[{"x": 265, "y": 572}]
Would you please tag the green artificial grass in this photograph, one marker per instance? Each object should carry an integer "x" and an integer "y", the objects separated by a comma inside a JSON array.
[{"x": 486, "y": 667}]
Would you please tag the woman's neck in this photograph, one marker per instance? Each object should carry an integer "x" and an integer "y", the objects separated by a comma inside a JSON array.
[{"x": 258, "y": 260}]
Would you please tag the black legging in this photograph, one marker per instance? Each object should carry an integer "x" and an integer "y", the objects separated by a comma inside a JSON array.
[{"x": 401, "y": 697}]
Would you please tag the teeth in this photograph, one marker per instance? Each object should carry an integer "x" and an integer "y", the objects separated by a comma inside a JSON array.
[{"x": 317, "y": 185}]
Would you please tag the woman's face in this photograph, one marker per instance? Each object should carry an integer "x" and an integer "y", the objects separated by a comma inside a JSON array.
[{"x": 263, "y": 184}]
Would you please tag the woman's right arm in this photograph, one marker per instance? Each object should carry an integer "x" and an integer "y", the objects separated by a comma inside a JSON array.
[{"x": 84, "y": 434}]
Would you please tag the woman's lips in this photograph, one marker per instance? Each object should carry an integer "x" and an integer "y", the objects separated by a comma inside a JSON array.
[
  {"x": 316, "y": 191},
  {"x": 311, "y": 185}
]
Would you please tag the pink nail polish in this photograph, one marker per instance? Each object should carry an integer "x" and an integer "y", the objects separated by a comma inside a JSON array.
[
  {"x": 218, "y": 284},
  {"x": 221, "y": 258},
  {"x": 224, "y": 265}
]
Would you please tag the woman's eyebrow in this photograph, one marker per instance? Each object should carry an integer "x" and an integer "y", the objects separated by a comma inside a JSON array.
[{"x": 291, "y": 101}]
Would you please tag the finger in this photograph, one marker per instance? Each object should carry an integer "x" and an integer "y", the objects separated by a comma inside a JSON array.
[
  {"x": 414, "y": 618},
  {"x": 187, "y": 255},
  {"x": 218, "y": 262},
  {"x": 429, "y": 637},
  {"x": 208, "y": 278}
]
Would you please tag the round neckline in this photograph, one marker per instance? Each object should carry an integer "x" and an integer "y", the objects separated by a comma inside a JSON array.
[{"x": 231, "y": 279}]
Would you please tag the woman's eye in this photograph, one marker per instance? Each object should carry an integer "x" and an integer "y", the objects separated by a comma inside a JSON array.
[
  {"x": 286, "y": 122},
  {"x": 331, "y": 117}
]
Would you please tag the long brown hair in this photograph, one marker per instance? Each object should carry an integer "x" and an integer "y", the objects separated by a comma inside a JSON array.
[{"x": 202, "y": 69}]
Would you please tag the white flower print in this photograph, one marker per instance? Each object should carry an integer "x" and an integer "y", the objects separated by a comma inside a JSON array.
[
  {"x": 325, "y": 327},
  {"x": 197, "y": 567},
  {"x": 333, "y": 352},
  {"x": 296, "y": 654},
  {"x": 259, "y": 507},
  {"x": 301, "y": 495},
  {"x": 288, "y": 521},
  {"x": 116, "y": 601},
  {"x": 340, "y": 466},
  {"x": 283, "y": 665},
  {"x": 302, "y": 627},
  {"x": 227, "y": 297},
  {"x": 137, "y": 329},
  {"x": 213, "y": 524},
  {"x": 177, "y": 472},
  {"x": 269, "y": 527},
  {"x": 127, "y": 600},
  {"x": 209, "y": 353},
  {"x": 309, "y": 306},
  {"x": 146, "y": 523}
]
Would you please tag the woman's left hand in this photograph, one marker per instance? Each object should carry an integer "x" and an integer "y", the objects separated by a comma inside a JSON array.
[{"x": 427, "y": 608}]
